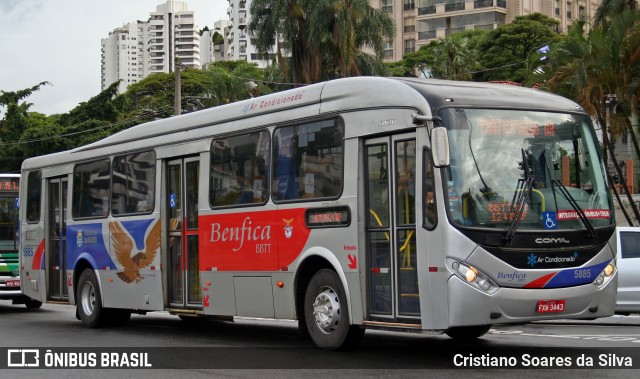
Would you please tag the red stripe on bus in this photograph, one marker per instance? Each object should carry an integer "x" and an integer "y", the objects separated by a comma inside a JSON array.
[
  {"x": 540, "y": 282},
  {"x": 36, "y": 264}
]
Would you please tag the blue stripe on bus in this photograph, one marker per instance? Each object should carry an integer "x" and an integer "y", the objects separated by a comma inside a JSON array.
[
  {"x": 576, "y": 276},
  {"x": 88, "y": 238}
]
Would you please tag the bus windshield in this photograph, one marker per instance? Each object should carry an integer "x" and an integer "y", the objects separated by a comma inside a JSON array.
[
  {"x": 8, "y": 222},
  {"x": 537, "y": 170}
]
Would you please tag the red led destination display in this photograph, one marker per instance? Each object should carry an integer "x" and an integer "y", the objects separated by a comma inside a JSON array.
[
  {"x": 328, "y": 217},
  {"x": 503, "y": 127},
  {"x": 9, "y": 184}
]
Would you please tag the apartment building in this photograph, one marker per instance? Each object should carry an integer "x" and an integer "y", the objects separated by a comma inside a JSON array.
[
  {"x": 122, "y": 57},
  {"x": 420, "y": 21},
  {"x": 238, "y": 44},
  {"x": 139, "y": 49},
  {"x": 211, "y": 49}
]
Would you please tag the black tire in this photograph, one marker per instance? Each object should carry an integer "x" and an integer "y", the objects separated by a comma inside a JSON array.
[
  {"x": 327, "y": 313},
  {"x": 467, "y": 333},
  {"x": 89, "y": 301},
  {"x": 32, "y": 304},
  {"x": 118, "y": 317}
]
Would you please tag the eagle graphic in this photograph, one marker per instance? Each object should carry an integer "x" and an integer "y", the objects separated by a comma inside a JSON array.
[{"x": 123, "y": 246}]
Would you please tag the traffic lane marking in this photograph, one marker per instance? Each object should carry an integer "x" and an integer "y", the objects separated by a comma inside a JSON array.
[{"x": 591, "y": 337}]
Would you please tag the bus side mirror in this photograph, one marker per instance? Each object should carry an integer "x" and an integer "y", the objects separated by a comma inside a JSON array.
[{"x": 440, "y": 147}]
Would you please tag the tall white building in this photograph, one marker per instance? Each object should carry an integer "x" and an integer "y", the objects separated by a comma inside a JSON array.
[
  {"x": 122, "y": 56},
  {"x": 139, "y": 49},
  {"x": 238, "y": 44},
  {"x": 210, "y": 49}
]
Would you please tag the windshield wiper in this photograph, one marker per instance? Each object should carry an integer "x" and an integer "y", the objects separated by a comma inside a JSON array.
[
  {"x": 575, "y": 206},
  {"x": 522, "y": 193}
]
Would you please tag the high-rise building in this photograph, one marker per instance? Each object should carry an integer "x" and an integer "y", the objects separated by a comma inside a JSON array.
[
  {"x": 135, "y": 50},
  {"x": 212, "y": 43},
  {"x": 122, "y": 57},
  {"x": 238, "y": 44},
  {"x": 420, "y": 21}
]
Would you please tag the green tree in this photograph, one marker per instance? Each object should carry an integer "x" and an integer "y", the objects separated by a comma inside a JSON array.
[
  {"x": 152, "y": 98},
  {"x": 13, "y": 123},
  {"x": 230, "y": 81},
  {"x": 14, "y": 120},
  {"x": 217, "y": 38},
  {"x": 449, "y": 58},
  {"x": 507, "y": 52}
]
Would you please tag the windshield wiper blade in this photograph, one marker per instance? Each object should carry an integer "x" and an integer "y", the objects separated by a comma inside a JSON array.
[
  {"x": 575, "y": 206},
  {"x": 523, "y": 192}
]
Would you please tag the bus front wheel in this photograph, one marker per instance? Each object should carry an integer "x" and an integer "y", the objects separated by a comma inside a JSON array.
[
  {"x": 89, "y": 300},
  {"x": 466, "y": 333},
  {"x": 327, "y": 314}
]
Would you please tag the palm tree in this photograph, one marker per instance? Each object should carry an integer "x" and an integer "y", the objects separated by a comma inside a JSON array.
[
  {"x": 589, "y": 68},
  {"x": 322, "y": 38},
  {"x": 609, "y": 9},
  {"x": 276, "y": 21},
  {"x": 453, "y": 60}
]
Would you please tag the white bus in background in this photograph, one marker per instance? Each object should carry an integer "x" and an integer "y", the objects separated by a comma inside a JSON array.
[
  {"x": 400, "y": 204},
  {"x": 9, "y": 232}
]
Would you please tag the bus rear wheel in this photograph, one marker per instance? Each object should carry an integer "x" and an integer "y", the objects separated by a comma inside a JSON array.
[
  {"x": 467, "y": 333},
  {"x": 32, "y": 304},
  {"x": 89, "y": 301},
  {"x": 327, "y": 314}
]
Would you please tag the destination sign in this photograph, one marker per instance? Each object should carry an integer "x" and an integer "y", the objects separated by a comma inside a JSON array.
[
  {"x": 506, "y": 127},
  {"x": 9, "y": 184}
]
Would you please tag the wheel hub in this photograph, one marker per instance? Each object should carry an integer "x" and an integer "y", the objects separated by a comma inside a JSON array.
[
  {"x": 326, "y": 310},
  {"x": 88, "y": 298}
]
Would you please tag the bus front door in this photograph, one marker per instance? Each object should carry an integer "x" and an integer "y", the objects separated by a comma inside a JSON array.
[
  {"x": 390, "y": 182},
  {"x": 182, "y": 225},
  {"x": 56, "y": 239}
]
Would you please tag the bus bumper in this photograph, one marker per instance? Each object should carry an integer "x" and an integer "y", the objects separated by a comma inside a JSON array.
[{"x": 469, "y": 306}]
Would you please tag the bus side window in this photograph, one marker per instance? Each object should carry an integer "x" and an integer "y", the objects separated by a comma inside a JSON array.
[
  {"x": 238, "y": 170},
  {"x": 133, "y": 185},
  {"x": 308, "y": 160},
  {"x": 91, "y": 189},
  {"x": 34, "y": 186}
]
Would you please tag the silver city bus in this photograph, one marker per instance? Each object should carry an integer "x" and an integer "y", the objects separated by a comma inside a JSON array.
[{"x": 398, "y": 204}]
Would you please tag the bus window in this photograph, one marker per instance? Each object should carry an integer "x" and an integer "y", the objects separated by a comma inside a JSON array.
[
  {"x": 133, "y": 183},
  {"x": 34, "y": 186},
  {"x": 308, "y": 161},
  {"x": 239, "y": 167},
  {"x": 91, "y": 189}
]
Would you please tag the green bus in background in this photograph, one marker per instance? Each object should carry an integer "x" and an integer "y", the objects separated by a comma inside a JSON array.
[{"x": 9, "y": 239}]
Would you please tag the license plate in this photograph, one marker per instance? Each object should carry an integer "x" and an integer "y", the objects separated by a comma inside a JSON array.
[
  {"x": 550, "y": 306},
  {"x": 12, "y": 283}
]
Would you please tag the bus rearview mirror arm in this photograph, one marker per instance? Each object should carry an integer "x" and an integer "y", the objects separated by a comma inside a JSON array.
[{"x": 438, "y": 138}]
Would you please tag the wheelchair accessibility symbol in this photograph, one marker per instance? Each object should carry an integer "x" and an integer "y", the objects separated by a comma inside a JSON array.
[{"x": 550, "y": 220}]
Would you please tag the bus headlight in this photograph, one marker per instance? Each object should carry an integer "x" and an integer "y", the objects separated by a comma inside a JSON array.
[
  {"x": 474, "y": 277},
  {"x": 605, "y": 275}
]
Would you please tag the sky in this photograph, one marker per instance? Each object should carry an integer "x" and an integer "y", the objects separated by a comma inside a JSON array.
[{"x": 58, "y": 41}]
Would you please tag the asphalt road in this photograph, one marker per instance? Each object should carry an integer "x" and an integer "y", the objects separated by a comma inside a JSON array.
[{"x": 266, "y": 349}]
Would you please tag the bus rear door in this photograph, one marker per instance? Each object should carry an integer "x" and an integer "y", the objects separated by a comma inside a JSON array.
[{"x": 182, "y": 224}]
